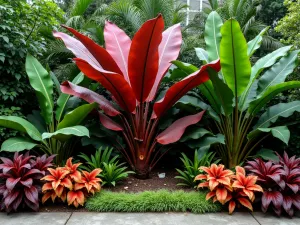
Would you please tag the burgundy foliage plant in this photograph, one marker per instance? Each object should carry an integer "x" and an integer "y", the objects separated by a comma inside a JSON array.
[
  {"x": 20, "y": 183},
  {"x": 280, "y": 181},
  {"x": 131, "y": 70}
]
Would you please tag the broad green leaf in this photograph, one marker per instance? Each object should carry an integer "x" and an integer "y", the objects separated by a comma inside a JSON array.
[
  {"x": 207, "y": 90},
  {"x": 66, "y": 133},
  {"x": 223, "y": 92},
  {"x": 212, "y": 35},
  {"x": 186, "y": 67},
  {"x": 41, "y": 82},
  {"x": 252, "y": 94},
  {"x": 17, "y": 144},
  {"x": 235, "y": 63},
  {"x": 203, "y": 144},
  {"x": 278, "y": 73},
  {"x": 194, "y": 133},
  {"x": 274, "y": 112},
  {"x": 56, "y": 82},
  {"x": 254, "y": 44},
  {"x": 63, "y": 98},
  {"x": 267, "y": 154},
  {"x": 76, "y": 116},
  {"x": 38, "y": 121},
  {"x": 19, "y": 124},
  {"x": 272, "y": 91},
  {"x": 281, "y": 132},
  {"x": 193, "y": 104},
  {"x": 202, "y": 55}
]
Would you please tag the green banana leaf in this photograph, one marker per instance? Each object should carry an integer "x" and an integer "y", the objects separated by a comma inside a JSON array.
[
  {"x": 194, "y": 133},
  {"x": 66, "y": 133},
  {"x": 235, "y": 63},
  {"x": 202, "y": 55},
  {"x": 42, "y": 83},
  {"x": 254, "y": 44},
  {"x": 76, "y": 116},
  {"x": 22, "y": 125},
  {"x": 212, "y": 35},
  {"x": 17, "y": 144},
  {"x": 281, "y": 132}
]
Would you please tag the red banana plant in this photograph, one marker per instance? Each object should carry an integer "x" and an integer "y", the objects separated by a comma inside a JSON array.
[{"x": 131, "y": 70}]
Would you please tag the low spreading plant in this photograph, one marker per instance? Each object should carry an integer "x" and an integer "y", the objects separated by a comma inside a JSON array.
[
  {"x": 191, "y": 168},
  {"x": 225, "y": 186},
  {"x": 49, "y": 129},
  {"x": 68, "y": 184},
  {"x": 132, "y": 70},
  {"x": 280, "y": 182},
  {"x": 20, "y": 183},
  {"x": 112, "y": 170}
]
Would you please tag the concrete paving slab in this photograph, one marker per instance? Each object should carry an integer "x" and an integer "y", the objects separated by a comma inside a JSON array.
[
  {"x": 271, "y": 219},
  {"x": 59, "y": 218},
  {"x": 82, "y": 218}
]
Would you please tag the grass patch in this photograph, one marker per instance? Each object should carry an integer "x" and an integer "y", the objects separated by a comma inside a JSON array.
[{"x": 151, "y": 201}]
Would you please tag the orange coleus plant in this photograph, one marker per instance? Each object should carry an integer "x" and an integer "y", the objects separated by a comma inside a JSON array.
[
  {"x": 225, "y": 186},
  {"x": 67, "y": 183}
]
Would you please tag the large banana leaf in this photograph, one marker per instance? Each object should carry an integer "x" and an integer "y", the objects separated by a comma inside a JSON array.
[
  {"x": 63, "y": 98},
  {"x": 272, "y": 91},
  {"x": 212, "y": 35},
  {"x": 274, "y": 112},
  {"x": 250, "y": 97},
  {"x": 203, "y": 144},
  {"x": 76, "y": 116},
  {"x": 254, "y": 44},
  {"x": 17, "y": 144},
  {"x": 202, "y": 55},
  {"x": 194, "y": 133},
  {"x": 42, "y": 83},
  {"x": 281, "y": 132},
  {"x": 236, "y": 66},
  {"x": 223, "y": 92},
  {"x": 21, "y": 125},
  {"x": 66, "y": 133},
  {"x": 278, "y": 72}
]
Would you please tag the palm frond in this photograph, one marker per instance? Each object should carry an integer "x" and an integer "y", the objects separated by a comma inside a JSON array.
[{"x": 79, "y": 7}]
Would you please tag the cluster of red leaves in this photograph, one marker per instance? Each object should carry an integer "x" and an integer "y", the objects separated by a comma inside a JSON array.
[
  {"x": 20, "y": 183},
  {"x": 67, "y": 183},
  {"x": 280, "y": 181},
  {"x": 227, "y": 187}
]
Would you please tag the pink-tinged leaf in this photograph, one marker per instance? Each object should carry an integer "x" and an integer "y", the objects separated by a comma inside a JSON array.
[
  {"x": 109, "y": 123},
  {"x": 32, "y": 194},
  {"x": 117, "y": 44},
  {"x": 174, "y": 132},
  {"x": 294, "y": 187},
  {"x": 27, "y": 183},
  {"x": 168, "y": 51},
  {"x": 296, "y": 201},
  {"x": 143, "y": 57},
  {"x": 274, "y": 196},
  {"x": 87, "y": 49},
  {"x": 287, "y": 205},
  {"x": 12, "y": 182},
  {"x": 11, "y": 197},
  {"x": 114, "y": 83},
  {"x": 179, "y": 89},
  {"x": 89, "y": 96}
]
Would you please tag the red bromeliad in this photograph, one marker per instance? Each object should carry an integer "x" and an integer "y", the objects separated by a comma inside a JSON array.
[
  {"x": 131, "y": 70},
  {"x": 226, "y": 187}
]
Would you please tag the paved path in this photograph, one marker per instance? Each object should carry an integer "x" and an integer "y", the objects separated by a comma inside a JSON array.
[{"x": 89, "y": 218}]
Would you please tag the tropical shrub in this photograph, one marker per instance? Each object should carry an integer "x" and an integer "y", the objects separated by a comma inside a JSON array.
[
  {"x": 20, "y": 183},
  {"x": 191, "y": 168},
  {"x": 112, "y": 170},
  {"x": 67, "y": 183},
  {"x": 132, "y": 71},
  {"x": 240, "y": 92},
  {"x": 225, "y": 186},
  {"x": 280, "y": 182},
  {"x": 51, "y": 131}
]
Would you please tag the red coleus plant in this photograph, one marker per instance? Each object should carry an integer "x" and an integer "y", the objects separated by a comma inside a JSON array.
[
  {"x": 280, "y": 181},
  {"x": 225, "y": 186},
  {"x": 20, "y": 181},
  {"x": 67, "y": 183},
  {"x": 131, "y": 70}
]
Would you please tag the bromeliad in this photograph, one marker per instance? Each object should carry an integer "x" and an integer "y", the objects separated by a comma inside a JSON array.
[{"x": 131, "y": 70}]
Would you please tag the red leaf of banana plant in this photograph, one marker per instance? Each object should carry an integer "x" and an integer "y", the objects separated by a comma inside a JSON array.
[
  {"x": 114, "y": 83},
  {"x": 117, "y": 43},
  {"x": 179, "y": 89},
  {"x": 168, "y": 50},
  {"x": 143, "y": 57},
  {"x": 89, "y": 96},
  {"x": 99, "y": 53},
  {"x": 174, "y": 132},
  {"x": 109, "y": 123}
]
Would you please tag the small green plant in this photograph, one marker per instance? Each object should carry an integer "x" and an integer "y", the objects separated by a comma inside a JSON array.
[
  {"x": 113, "y": 171},
  {"x": 191, "y": 168}
]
